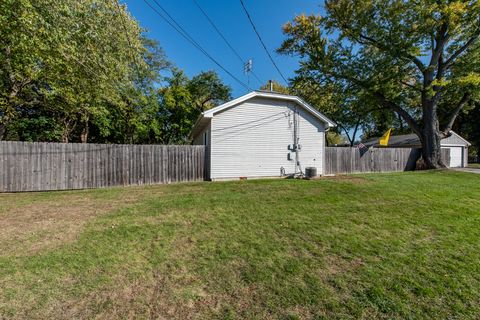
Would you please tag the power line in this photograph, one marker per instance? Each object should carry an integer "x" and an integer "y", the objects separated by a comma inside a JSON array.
[
  {"x": 223, "y": 37},
  {"x": 177, "y": 27},
  {"x": 218, "y": 31},
  {"x": 261, "y": 41},
  {"x": 187, "y": 36},
  {"x": 131, "y": 49}
]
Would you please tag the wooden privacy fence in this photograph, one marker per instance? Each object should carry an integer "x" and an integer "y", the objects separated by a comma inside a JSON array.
[
  {"x": 353, "y": 160},
  {"x": 39, "y": 166}
]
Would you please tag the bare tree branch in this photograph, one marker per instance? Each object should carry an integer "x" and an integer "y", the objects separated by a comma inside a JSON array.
[
  {"x": 380, "y": 46},
  {"x": 347, "y": 133},
  {"x": 465, "y": 99},
  {"x": 449, "y": 62},
  {"x": 399, "y": 110},
  {"x": 411, "y": 86},
  {"x": 440, "y": 40},
  {"x": 387, "y": 104},
  {"x": 354, "y": 134}
]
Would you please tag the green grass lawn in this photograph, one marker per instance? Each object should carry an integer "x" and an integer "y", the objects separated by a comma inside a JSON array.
[
  {"x": 379, "y": 246},
  {"x": 474, "y": 165}
]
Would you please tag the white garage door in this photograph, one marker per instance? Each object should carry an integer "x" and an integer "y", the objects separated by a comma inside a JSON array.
[{"x": 456, "y": 157}]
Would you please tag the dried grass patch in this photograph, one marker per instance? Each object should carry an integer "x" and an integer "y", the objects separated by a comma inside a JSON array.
[{"x": 49, "y": 223}]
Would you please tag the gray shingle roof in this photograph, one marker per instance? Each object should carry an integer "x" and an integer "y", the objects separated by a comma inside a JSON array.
[
  {"x": 412, "y": 141},
  {"x": 405, "y": 140}
]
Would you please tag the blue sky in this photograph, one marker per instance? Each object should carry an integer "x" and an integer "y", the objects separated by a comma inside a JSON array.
[{"x": 228, "y": 15}]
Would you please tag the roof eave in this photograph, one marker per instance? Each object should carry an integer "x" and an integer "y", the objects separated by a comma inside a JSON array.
[
  {"x": 199, "y": 125},
  {"x": 211, "y": 112},
  {"x": 265, "y": 94}
]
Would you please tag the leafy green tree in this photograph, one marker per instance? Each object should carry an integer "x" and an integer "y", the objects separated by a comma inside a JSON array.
[
  {"x": 208, "y": 90},
  {"x": 183, "y": 99},
  {"x": 177, "y": 109},
  {"x": 136, "y": 121},
  {"x": 468, "y": 126},
  {"x": 407, "y": 56},
  {"x": 277, "y": 87},
  {"x": 334, "y": 138},
  {"x": 70, "y": 58},
  {"x": 350, "y": 109},
  {"x": 342, "y": 106}
]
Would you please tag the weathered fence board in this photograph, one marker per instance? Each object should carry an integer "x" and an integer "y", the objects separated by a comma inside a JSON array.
[
  {"x": 40, "y": 166},
  {"x": 353, "y": 160}
]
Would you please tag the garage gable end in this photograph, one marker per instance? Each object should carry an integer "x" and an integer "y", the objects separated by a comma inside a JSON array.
[{"x": 455, "y": 140}]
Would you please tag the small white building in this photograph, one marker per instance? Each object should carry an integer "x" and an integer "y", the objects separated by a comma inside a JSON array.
[
  {"x": 262, "y": 134},
  {"x": 458, "y": 150}
]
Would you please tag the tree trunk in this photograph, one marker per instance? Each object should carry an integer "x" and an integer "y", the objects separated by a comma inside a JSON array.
[
  {"x": 64, "y": 137},
  {"x": 84, "y": 134},
  {"x": 431, "y": 151},
  {"x": 431, "y": 136},
  {"x": 67, "y": 129},
  {"x": 128, "y": 136},
  {"x": 2, "y": 131},
  {"x": 400, "y": 120},
  {"x": 354, "y": 135}
]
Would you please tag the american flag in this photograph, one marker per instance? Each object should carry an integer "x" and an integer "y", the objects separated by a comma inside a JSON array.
[{"x": 361, "y": 146}]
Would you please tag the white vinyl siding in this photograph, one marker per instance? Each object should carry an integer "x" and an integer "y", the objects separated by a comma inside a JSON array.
[
  {"x": 252, "y": 139},
  {"x": 454, "y": 139}
]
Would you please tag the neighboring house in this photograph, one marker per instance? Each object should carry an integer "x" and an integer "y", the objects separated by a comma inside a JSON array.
[
  {"x": 260, "y": 135},
  {"x": 458, "y": 146}
]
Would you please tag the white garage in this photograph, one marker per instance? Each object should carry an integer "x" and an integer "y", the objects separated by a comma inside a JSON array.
[{"x": 458, "y": 150}]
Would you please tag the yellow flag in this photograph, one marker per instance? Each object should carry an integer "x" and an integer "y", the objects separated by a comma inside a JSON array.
[{"x": 384, "y": 139}]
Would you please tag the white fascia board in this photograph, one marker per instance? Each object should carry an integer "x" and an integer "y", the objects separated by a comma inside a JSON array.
[
  {"x": 468, "y": 143},
  {"x": 210, "y": 113}
]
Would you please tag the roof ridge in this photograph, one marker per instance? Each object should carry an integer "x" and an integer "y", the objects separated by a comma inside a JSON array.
[{"x": 209, "y": 113}]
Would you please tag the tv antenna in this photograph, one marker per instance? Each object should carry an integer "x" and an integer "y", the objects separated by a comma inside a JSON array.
[{"x": 247, "y": 69}]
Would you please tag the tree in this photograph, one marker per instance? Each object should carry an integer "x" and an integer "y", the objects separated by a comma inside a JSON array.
[
  {"x": 405, "y": 55},
  {"x": 334, "y": 138},
  {"x": 183, "y": 99},
  {"x": 69, "y": 59},
  {"x": 468, "y": 126},
  {"x": 208, "y": 90},
  {"x": 136, "y": 120},
  {"x": 349, "y": 108},
  {"x": 471, "y": 130},
  {"x": 277, "y": 87}
]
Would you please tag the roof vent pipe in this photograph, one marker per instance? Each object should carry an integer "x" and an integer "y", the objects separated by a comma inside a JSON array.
[{"x": 271, "y": 85}]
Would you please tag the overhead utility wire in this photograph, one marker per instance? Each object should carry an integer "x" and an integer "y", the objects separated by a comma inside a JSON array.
[
  {"x": 131, "y": 49},
  {"x": 261, "y": 41},
  {"x": 175, "y": 25},
  {"x": 223, "y": 37}
]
